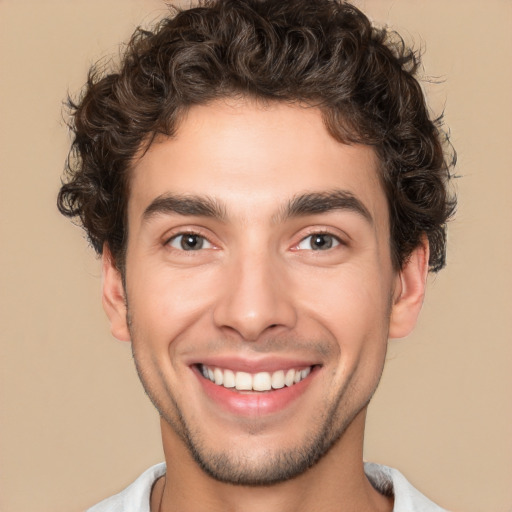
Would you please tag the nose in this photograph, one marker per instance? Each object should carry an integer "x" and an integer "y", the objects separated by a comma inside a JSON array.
[{"x": 256, "y": 299}]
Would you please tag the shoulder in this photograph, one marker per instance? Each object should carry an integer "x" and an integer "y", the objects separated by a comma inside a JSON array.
[
  {"x": 135, "y": 498},
  {"x": 391, "y": 482}
]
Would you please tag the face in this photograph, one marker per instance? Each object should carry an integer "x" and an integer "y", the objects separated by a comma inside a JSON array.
[{"x": 259, "y": 287}]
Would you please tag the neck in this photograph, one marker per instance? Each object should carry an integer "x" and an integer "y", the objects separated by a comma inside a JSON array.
[{"x": 336, "y": 483}]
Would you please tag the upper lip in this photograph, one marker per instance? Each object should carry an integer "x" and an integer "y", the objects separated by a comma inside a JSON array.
[{"x": 265, "y": 363}]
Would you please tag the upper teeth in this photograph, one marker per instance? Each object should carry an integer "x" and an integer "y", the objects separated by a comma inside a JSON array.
[{"x": 262, "y": 381}]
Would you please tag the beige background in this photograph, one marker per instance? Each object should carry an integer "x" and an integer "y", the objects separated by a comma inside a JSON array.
[{"x": 75, "y": 425}]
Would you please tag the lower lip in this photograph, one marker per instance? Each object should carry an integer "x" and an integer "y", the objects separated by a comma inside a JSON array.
[{"x": 254, "y": 403}]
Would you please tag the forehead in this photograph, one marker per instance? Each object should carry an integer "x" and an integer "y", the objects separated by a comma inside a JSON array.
[{"x": 253, "y": 157}]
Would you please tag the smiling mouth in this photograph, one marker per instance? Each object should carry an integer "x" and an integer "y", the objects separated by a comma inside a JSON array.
[{"x": 261, "y": 381}]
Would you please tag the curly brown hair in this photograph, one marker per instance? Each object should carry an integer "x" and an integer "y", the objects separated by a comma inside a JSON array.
[{"x": 324, "y": 53}]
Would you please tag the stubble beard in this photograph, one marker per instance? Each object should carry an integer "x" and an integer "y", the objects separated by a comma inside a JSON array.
[
  {"x": 274, "y": 467},
  {"x": 270, "y": 468}
]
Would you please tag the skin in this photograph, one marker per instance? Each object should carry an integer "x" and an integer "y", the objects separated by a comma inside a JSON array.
[{"x": 258, "y": 289}]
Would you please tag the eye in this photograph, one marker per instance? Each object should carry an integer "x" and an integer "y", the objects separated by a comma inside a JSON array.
[
  {"x": 318, "y": 242},
  {"x": 189, "y": 242}
]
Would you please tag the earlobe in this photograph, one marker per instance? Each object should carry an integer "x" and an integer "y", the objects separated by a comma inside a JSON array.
[
  {"x": 113, "y": 297},
  {"x": 409, "y": 292}
]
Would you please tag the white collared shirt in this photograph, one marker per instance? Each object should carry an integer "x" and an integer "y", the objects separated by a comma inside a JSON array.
[{"x": 388, "y": 481}]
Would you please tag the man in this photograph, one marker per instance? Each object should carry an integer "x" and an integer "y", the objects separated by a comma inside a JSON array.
[{"x": 268, "y": 193}]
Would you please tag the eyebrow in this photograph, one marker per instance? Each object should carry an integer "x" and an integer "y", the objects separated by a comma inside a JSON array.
[
  {"x": 197, "y": 206},
  {"x": 314, "y": 203}
]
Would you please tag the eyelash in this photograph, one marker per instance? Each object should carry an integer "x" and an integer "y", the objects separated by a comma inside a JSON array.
[
  {"x": 336, "y": 239},
  {"x": 203, "y": 239},
  {"x": 184, "y": 234}
]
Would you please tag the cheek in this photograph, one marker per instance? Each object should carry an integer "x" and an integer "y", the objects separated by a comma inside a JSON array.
[
  {"x": 165, "y": 301},
  {"x": 349, "y": 298},
  {"x": 354, "y": 311}
]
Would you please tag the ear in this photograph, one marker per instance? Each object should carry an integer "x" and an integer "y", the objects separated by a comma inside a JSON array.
[
  {"x": 409, "y": 292},
  {"x": 113, "y": 297}
]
